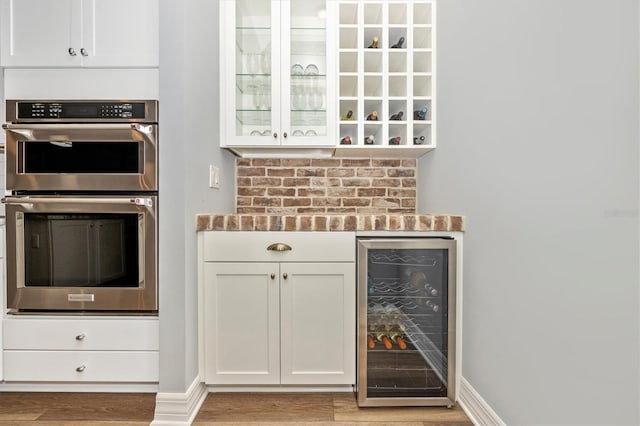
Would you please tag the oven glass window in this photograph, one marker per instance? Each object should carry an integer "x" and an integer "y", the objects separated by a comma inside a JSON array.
[
  {"x": 82, "y": 250},
  {"x": 82, "y": 157}
]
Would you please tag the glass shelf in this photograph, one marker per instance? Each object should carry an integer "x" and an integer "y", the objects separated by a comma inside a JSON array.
[{"x": 253, "y": 117}]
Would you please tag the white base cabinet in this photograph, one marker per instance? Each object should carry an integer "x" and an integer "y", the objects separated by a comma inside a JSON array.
[
  {"x": 80, "y": 350},
  {"x": 284, "y": 322}
]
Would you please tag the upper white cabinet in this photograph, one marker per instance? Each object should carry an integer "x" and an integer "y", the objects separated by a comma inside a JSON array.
[
  {"x": 386, "y": 80},
  {"x": 79, "y": 33},
  {"x": 277, "y": 74}
]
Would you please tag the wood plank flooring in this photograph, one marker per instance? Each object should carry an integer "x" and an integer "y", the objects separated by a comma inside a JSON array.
[{"x": 269, "y": 409}]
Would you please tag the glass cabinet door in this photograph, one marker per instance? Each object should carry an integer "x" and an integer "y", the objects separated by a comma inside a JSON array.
[
  {"x": 254, "y": 49},
  {"x": 307, "y": 64}
]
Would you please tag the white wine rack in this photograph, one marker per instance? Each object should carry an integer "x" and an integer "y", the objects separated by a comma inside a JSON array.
[{"x": 386, "y": 79}]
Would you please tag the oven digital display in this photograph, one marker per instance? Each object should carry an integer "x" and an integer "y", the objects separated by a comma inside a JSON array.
[{"x": 81, "y": 110}]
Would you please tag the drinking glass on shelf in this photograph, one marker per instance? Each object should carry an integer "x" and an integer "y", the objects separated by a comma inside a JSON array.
[
  {"x": 297, "y": 133},
  {"x": 297, "y": 69},
  {"x": 252, "y": 63},
  {"x": 315, "y": 99},
  {"x": 311, "y": 69},
  {"x": 310, "y": 132},
  {"x": 265, "y": 60}
]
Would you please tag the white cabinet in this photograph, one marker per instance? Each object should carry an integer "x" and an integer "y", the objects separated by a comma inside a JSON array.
[
  {"x": 80, "y": 350},
  {"x": 2, "y": 292},
  {"x": 277, "y": 74},
  {"x": 79, "y": 33},
  {"x": 274, "y": 317},
  {"x": 386, "y": 56}
]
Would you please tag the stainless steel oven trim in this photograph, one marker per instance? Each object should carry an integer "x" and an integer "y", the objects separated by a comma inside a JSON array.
[
  {"x": 150, "y": 110},
  {"x": 17, "y": 135},
  {"x": 125, "y": 300},
  {"x": 364, "y": 244}
]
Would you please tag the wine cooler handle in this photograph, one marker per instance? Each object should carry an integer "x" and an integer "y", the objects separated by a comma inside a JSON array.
[
  {"x": 279, "y": 247},
  {"x": 285, "y": 276}
]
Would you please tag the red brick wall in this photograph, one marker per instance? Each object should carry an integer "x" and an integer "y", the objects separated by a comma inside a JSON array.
[{"x": 297, "y": 186}]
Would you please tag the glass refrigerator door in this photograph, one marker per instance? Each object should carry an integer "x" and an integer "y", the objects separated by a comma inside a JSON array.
[{"x": 406, "y": 330}]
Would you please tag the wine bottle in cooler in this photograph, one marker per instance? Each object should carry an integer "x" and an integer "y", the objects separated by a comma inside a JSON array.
[
  {"x": 432, "y": 306},
  {"x": 394, "y": 141},
  {"x": 374, "y": 43},
  {"x": 418, "y": 140},
  {"x": 369, "y": 140},
  {"x": 397, "y": 336},
  {"x": 345, "y": 140},
  {"x": 347, "y": 116},
  {"x": 397, "y": 116},
  {"x": 373, "y": 116},
  {"x": 371, "y": 341},
  {"x": 381, "y": 336}
]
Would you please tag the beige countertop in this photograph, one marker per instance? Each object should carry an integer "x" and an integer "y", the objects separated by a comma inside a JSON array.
[{"x": 330, "y": 222}]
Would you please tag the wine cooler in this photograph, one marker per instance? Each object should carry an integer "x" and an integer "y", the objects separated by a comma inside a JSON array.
[{"x": 406, "y": 321}]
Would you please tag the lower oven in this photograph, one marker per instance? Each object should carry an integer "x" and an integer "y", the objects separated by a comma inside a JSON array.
[{"x": 81, "y": 253}]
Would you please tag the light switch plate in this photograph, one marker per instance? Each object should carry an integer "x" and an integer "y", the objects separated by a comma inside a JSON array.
[{"x": 214, "y": 177}]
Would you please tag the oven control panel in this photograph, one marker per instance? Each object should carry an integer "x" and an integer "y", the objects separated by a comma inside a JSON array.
[{"x": 81, "y": 111}]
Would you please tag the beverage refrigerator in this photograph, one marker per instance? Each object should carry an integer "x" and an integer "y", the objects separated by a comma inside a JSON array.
[{"x": 406, "y": 321}]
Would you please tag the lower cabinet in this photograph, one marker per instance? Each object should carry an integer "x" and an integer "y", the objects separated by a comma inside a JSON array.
[
  {"x": 81, "y": 350},
  {"x": 281, "y": 323}
]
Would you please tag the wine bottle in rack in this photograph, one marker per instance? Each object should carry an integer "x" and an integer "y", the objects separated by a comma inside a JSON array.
[
  {"x": 347, "y": 116},
  {"x": 418, "y": 140},
  {"x": 399, "y": 44},
  {"x": 345, "y": 140},
  {"x": 420, "y": 113},
  {"x": 397, "y": 116},
  {"x": 374, "y": 43},
  {"x": 394, "y": 141},
  {"x": 373, "y": 116},
  {"x": 369, "y": 140}
]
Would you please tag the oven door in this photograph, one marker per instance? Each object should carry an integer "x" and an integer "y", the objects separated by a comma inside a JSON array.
[
  {"x": 81, "y": 253},
  {"x": 81, "y": 157}
]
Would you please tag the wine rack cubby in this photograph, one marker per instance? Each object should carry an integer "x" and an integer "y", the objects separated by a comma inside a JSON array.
[{"x": 386, "y": 54}]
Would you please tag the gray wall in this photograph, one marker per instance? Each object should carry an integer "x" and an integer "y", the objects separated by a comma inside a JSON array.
[
  {"x": 538, "y": 146},
  {"x": 188, "y": 144}
]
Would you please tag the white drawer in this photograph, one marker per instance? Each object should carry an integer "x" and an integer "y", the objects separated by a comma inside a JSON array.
[
  {"x": 231, "y": 246},
  {"x": 81, "y": 334},
  {"x": 79, "y": 366}
]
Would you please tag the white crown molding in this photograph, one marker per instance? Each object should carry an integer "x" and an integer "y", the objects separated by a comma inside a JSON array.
[
  {"x": 476, "y": 407},
  {"x": 177, "y": 409}
]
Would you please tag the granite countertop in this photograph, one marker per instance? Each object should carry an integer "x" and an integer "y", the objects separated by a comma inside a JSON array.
[{"x": 329, "y": 222}]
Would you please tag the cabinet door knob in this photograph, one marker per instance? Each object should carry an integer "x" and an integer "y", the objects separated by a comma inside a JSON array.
[
  {"x": 84, "y": 52},
  {"x": 284, "y": 134},
  {"x": 279, "y": 247},
  {"x": 81, "y": 336},
  {"x": 275, "y": 135},
  {"x": 72, "y": 51},
  {"x": 81, "y": 368},
  {"x": 273, "y": 276},
  {"x": 285, "y": 276}
]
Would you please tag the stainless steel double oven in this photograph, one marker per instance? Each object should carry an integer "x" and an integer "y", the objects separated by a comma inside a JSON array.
[{"x": 81, "y": 219}]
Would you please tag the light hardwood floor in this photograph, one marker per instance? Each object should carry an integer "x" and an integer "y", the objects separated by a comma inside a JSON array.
[{"x": 71, "y": 409}]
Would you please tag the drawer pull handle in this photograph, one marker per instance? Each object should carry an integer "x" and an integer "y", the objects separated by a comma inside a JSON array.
[
  {"x": 285, "y": 276},
  {"x": 81, "y": 368},
  {"x": 81, "y": 336},
  {"x": 279, "y": 247},
  {"x": 273, "y": 276}
]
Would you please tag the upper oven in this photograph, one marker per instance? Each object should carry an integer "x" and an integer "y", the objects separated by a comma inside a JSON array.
[{"x": 80, "y": 146}]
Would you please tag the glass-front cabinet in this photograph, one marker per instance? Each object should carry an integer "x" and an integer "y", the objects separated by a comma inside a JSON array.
[{"x": 277, "y": 73}]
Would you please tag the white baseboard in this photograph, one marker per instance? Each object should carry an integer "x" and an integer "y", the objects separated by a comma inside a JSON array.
[
  {"x": 476, "y": 407},
  {"x": 178, "y": 409}
]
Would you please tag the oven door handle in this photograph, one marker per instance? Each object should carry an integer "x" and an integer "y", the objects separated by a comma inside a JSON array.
[
  {"x": 27, "y": 201},
  {"x": 26, "y": 130}
]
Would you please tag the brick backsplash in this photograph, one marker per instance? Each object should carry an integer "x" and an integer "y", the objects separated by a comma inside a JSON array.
[{"x": 305, "y": 186}]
